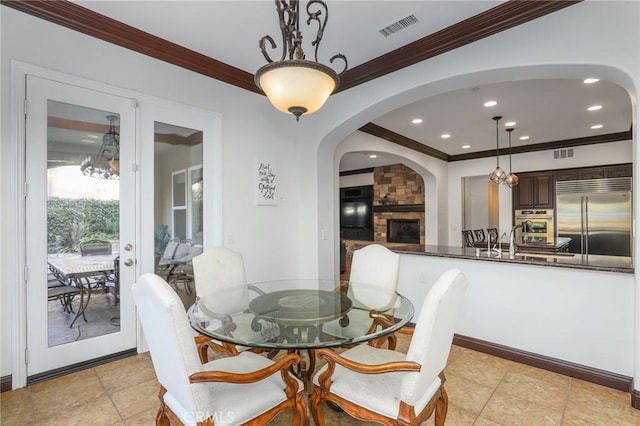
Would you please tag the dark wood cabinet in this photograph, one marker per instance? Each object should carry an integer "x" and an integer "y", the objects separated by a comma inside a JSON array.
[
  {"x": 592, "y": 173},
  {"x": 623, "y": 170},
  {"x": 534, "y": 190},
  {"x": 538, "y": 189},
  {"x": 570, "y": 174},
  {"x": 619, "y": 170}
]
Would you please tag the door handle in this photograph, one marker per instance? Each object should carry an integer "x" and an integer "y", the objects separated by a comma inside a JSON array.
[{"x": 128, "y": 262}]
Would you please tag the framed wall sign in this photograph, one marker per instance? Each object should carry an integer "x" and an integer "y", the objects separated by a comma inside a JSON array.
[{"x": 266, "y": 183}]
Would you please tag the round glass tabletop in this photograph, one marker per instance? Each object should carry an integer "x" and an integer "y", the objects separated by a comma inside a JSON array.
[{"x": 300, "y": 314}]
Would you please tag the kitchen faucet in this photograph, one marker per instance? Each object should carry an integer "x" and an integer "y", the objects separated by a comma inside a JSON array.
[{"x": 512, "y": 246}]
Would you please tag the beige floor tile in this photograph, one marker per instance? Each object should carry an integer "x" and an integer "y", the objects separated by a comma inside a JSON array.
[
  {"x": 570, "y": 420},
  {"x": 510, "y": 410},
  {"x": 535, "y": 385},
  {"x": 593, "y": 403},
  {"x": 15, "y": 407},
  {"x": 95, "y": 412},
  {"x": 480, "y": 368},
  {"x": 466, "y": 394},
  {"x": 136, "y": 399},
  {"x": 145, "y": 418},
  {"x": 456, "y": 416},
  {"x": 52, "y": 397},
  {"x": 481, "y": 421},
  {"x": 125, "y": 373},
  {"x": 483, "y": 391}
]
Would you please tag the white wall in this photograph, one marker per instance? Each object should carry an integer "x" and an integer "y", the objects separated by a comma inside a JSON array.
[
  {"x": 266, "y": 236},
  {"x": 360, "y": 179}
]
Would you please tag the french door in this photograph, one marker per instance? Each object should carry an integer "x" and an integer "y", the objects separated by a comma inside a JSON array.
[{"x": 80, "y": 224}]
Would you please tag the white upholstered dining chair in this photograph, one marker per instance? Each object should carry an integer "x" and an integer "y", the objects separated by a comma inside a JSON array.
[
  {"x": 217, "y": 392},
  {"x": 217, "y": 269},
  {"x": 373, "y": 265},
  {"x": 400, "y": 389}
]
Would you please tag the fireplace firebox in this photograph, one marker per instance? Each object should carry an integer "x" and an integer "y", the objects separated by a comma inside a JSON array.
[{"x": 403, "y": 231}]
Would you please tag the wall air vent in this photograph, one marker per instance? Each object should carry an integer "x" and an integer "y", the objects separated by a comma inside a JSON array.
[
  {"x": 399, "y": 25},
  {"x": 563, "y": 153}
]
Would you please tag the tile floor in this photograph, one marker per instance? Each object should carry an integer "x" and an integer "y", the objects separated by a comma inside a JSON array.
[{"x": 483, "y": 390}]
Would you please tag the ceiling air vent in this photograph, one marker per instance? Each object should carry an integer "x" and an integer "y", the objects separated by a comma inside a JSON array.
[
  {"x": 399, "y": 25},
  {"x": 563, "y": 153}
]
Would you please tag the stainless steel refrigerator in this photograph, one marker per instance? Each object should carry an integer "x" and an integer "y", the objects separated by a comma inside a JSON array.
[{"x": 596, "y": 215}]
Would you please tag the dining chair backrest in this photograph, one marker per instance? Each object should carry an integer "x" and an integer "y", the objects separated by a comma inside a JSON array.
[
  {"x": 433, "y": 335},
  {"x": 170, "y": 339},
  {"x": 479, "y": 235},
  {"x": 95, "y": 248},
  {"x": 493, "y": 235},
  {"x": 217, "y": 268},
  {"x": 375, "y": 265},
  {"x": 468, "y": 237}
]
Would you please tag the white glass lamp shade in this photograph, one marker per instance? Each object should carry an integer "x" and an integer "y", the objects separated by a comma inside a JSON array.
[
  {"x": 511, "y": 180},
  {"x": 498, "y": 175},
  {"x": 297, "y": 86}
]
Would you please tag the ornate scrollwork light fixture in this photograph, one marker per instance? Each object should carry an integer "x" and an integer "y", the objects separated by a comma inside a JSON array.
[
  {"x": 106, "y": 163},
  {"x": 296, "y": 85}
]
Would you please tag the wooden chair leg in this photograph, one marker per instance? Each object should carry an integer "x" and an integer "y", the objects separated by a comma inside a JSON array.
[
  {"x": 442, "y": 406},
  {"x": 300, "y": 411},
  {"x": 161, "y": 418},
  {"x": 316, "y": 407}
]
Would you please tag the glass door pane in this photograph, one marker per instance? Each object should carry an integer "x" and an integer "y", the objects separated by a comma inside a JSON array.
[
  {"x": 178, "y": 199},
  {"x": 83, "y": 217}
]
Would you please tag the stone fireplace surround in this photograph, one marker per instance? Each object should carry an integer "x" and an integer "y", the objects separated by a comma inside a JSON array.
[{"x": 398, "y": 193}]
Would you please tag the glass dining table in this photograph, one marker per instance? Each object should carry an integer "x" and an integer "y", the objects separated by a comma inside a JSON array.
[{"x": 300, "y": 315}]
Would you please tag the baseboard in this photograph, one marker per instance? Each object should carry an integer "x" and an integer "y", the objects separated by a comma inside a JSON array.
[
  {"x": 5, "y": 383},
  {"x": 589, "y": 374},
  {"x": 635, "y": 399},
  {"x": 58, "y": 372}
]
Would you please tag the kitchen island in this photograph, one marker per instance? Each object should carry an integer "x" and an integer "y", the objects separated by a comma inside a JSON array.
[{"x": 620, "y": 264}]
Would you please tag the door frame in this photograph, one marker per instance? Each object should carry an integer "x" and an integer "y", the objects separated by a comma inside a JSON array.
[{"x": 13, "y": 246}]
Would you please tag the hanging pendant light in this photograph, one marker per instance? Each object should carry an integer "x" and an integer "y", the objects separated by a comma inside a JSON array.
[
  {"x": 498, "y": 175},
  {"x": 106, "y": 163},
  {"x": 297, "y": 85},
  {"x": 512, "y": 179}
]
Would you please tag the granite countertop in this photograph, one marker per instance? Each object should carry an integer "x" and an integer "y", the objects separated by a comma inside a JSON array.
[
  {"x": 533, "y": 243},
  {"x": 564, "y": 260}
]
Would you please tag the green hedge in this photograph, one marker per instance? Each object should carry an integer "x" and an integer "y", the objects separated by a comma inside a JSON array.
[{"x": 72, "y": 221}]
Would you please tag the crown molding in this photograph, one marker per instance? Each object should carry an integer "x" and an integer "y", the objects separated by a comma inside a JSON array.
[{"x": 502, "y": 17}]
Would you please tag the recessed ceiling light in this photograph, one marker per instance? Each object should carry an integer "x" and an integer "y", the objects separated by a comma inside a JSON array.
[
  {"x": 416, "y": 120},
  {"x": 445, "y": 136},
  {"x": 509, "y": 124},
  {"x": 597, "y": 126},
  {"x": 524, "y": 138},
  {"x": 373, "y": 156},
  {"x": 490, "y": 103},
  {"x": 466, "y": 146},
  {"x": 594, "y": 108},
  {"x": 591, "y": 80}
]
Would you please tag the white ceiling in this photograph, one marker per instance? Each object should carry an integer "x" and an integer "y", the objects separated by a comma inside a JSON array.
[{"x": 545, "y": 110}]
